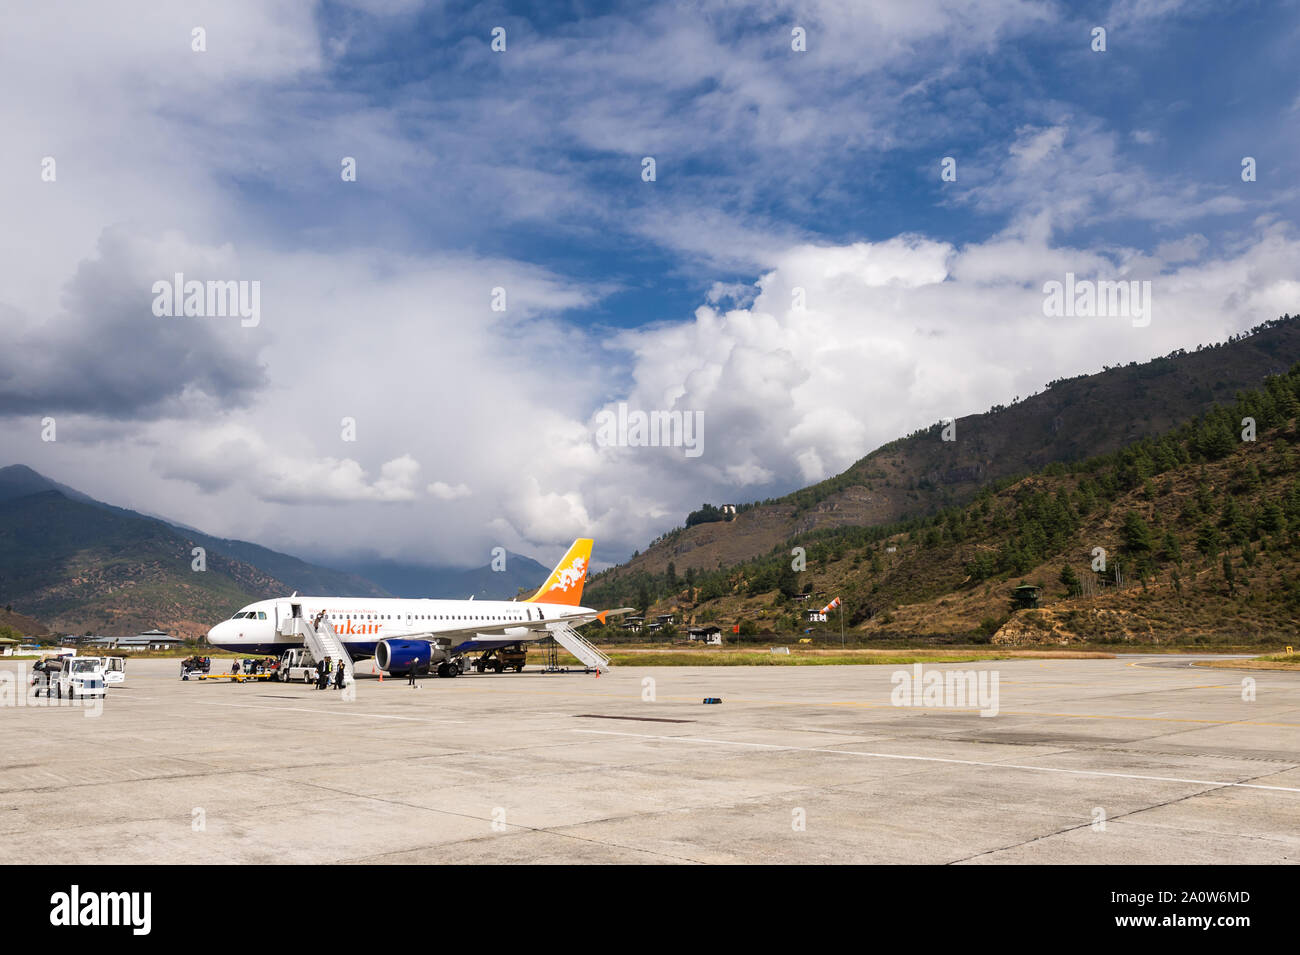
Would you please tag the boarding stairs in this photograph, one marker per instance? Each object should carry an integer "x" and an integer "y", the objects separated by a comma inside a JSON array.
[
  {"x": 576, "y": 644},
  {"x": 324, "y": 642}
]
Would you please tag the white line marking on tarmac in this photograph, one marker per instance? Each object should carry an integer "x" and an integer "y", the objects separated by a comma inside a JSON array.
[
  {"x": 306, "y": 709},
  {"x": 941, "y": 759}
]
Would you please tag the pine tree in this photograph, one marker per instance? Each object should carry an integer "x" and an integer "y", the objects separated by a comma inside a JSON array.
[
  {"x": 1136, "y": 534},
  {"x": 788, "y": 581},
  {"x": 1170, "y": 550},
  {"x": 1069, "y": 579},
  {"x": 1208, "y": 540},
  {"x": 1233, "y": 520}
]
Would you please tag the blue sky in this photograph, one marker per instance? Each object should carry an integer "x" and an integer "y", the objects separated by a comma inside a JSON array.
[
  {"x": 777, "y": 171},
  {"x": 1196, "y": 86}
]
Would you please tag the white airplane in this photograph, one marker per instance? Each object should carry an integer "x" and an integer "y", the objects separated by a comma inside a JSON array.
[{"x": 401, "y": 633}]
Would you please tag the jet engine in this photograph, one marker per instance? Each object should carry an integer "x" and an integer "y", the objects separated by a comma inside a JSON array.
[{"x": 402, "y": 656}]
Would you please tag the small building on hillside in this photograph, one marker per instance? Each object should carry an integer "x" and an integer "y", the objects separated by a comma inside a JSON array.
[
  {"x": 1024, "y": 597},
  {"x": 709, "y": 634}
]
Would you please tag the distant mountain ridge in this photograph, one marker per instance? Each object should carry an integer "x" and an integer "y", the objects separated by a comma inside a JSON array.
[
  {"x": 76, "y": 564},
  {"x": 415, "y": 580},
  {"x": 19, "y": 480}
]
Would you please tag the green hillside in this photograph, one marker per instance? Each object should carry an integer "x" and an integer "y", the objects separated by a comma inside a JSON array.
[
  {"x": 1071, "y": 420},
  {"x": 79, "y": 564},
  {"x": 1201, "y": 531},
  {"x": 76, "y": 566}
]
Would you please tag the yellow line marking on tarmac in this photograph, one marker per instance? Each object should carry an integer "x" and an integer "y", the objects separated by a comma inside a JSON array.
[{"x": 941, "y": 759}]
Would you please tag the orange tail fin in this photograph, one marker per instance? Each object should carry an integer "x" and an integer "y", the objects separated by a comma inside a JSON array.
[{"x": 564, "y": 586}]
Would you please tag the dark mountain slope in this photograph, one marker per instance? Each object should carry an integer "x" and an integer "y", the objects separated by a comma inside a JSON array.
[
  {"x": 1200, "y": 529},
  {"x": 78, "y": 566}
]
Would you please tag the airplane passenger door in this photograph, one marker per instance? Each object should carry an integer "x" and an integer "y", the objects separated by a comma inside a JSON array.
[{"x": 283, "y": 613}]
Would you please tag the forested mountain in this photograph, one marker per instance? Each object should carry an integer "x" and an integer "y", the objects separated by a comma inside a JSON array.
[
  {"x": 1200, "y": 529},
  {"x": 1072, "y": 420}
]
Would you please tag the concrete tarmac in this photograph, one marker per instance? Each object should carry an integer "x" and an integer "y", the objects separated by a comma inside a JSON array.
[{"x": 1132, "y": 760}]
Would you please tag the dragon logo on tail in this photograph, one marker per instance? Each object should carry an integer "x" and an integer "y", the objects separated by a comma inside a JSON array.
[{"x": 572, "y": 574}]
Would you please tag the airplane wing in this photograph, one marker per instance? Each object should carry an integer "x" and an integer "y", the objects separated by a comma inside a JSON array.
[{"x": 515, "y": 627}]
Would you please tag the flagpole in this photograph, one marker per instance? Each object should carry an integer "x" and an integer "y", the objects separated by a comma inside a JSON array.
[{"x": 841, "y": 624}]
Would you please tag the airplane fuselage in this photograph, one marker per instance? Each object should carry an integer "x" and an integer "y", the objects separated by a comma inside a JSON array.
[{"x": 361, "y": 622}]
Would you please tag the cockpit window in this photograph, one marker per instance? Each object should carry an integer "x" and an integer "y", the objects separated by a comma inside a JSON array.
[{"x": 261, "y": 615}]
